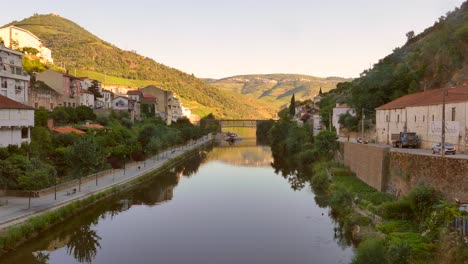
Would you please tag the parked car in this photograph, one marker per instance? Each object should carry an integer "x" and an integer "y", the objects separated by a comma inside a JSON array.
[
  {"x": 449, "y": 148},
  {"x": 362, "y": 140}
]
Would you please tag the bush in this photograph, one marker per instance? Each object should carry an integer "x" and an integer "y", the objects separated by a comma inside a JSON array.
[
  {"x": 422, "y": 200},
  {"x": 399, "y": 252},
  {"x": 371, "y": 251},
  {"x": 321, "y": 180},
  {"x": 341, "y": 200},
  {"x": 397, "y": 210}
]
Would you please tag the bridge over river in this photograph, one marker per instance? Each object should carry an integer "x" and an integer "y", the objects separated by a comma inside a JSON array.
[{"x": 225, "y": 123}]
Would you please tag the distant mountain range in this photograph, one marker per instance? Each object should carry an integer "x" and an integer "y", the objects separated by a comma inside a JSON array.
[
  {"x": 277, "y": 89},
  {"x": 79, "y": 51}
]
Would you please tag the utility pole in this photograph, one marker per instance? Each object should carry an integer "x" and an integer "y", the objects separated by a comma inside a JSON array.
[
  {"x": 362, "y": 128},
  {"x": 444, "y": 92}
]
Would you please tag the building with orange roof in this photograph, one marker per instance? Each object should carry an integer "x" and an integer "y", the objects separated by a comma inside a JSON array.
[
  {"x": 67, "y": 129},
  {"x": 16, "y": 122},
  {"x": 94, "y": 126},
  {"x": 422, "y": 113}
]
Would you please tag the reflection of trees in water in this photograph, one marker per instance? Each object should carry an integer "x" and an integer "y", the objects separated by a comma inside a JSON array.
[
  {"x": 41, "y": 257},
  {"x": 84, "y": 243},
  {"x": 297, "y": 178},
  {"x": 192, "y": 164}
]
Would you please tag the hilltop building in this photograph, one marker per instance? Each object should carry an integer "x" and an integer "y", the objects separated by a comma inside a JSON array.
[
  {"x": 15, "y": 37},
  {"x": 16, "y": 122},
  {"x": 14, "y": 81},
  {"x": 422, "y": 113}
]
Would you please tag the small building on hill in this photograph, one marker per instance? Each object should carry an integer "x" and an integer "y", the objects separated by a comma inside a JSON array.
[
  {"x": 41, "y": 95},
  {"x": 422, "y": 113},
  {"x": 16, "y": 37},
  {"x": 16, "y": 122}
]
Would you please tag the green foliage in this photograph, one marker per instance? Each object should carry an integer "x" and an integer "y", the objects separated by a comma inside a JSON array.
[
  {"x": 371, "y": 251},
  {"x": 325, "y": 143},
  {"x": 341, "y": 200},
  {"x": 33, "y": 65},
  {"x": 40, "y": 117},
  {"x": 397, "y": 210},
  {"x": 85, "y": 157},
  {"x": 292, "y": 106},
  {"x": 423, "y": 199},
  {"x": 349, "y": 122},
  {"x": 321, "y": 181}
]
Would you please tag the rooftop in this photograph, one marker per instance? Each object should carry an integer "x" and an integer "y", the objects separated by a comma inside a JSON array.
[
  {"x": 67, "y": 129},
  {"x": 7, "y": 103},
  {"x": 95, "y": 126},
  {"x": 455, "y": 94}
]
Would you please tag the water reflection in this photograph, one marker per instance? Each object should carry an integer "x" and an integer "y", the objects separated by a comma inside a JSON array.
[
  {"x": 226, "y": 214},
  {"x": 79, "y": 237}
]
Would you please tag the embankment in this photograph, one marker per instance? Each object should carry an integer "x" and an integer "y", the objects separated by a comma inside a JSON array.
[{"x": 398, "y": 173}]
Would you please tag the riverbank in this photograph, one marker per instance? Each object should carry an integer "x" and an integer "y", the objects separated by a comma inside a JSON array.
[{"x": 18, "y": 224}]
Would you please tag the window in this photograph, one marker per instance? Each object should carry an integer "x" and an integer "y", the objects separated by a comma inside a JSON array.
[
  {"x": 36, "y": 105},
  {"x": 24, "y": 132},
  {"x": 4, "y": 82},
  {"x": 414, "y": 118},
  {"x": 423, "y": 118},
  {"x": 398, "y": 118},
  {"x": 387, "y": 119},
  {"x": 453, "y": 113},
  {"x": 432, "y": 117}
]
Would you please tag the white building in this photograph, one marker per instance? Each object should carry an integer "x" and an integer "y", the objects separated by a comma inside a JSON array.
[
  {"x": 339, "y": 110},
  {"x": 106, "y": 100},
  {"x": 14, "y": 81},
  {"x": 16, "y": 121},
  {"x": 422, "y": 113},
  {"x": 124, "y": 104},
  {"x": 25, "y": 38},
  {"x": 87, "y": 98}
]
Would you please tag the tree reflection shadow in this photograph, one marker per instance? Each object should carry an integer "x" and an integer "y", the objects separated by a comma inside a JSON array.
[{"x": 84, "y": 243}]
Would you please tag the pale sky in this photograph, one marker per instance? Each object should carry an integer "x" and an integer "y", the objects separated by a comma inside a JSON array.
[{"x": 221, "y": 38}]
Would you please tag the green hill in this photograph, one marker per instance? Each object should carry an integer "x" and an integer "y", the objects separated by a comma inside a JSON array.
[
  {"x": 77, "y": 49},
  {"x": 435, "y": 58},
  {"x": 277, "y": 88}
]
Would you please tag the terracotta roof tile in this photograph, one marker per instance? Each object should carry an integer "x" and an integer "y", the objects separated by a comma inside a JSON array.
[
  {"x": 7, "y": 103},
  {"x": 67, "y": 129},
  {"x": 343, "y": 106},
  {"x": 134, "y": 92},
  {"x": 433, "y": 97},
  {"x": 96, "y": 126}
]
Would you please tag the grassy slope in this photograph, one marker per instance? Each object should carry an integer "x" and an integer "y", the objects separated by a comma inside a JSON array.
[
  {"x": 277, "y": 88},
  {"x": 80, "y": 50}
]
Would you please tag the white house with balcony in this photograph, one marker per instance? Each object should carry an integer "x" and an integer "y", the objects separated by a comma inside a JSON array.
[
  {"x": 16, "y": 121},
  {"x": 422, "y": 113},
  {"x": 14, "y": 81}
]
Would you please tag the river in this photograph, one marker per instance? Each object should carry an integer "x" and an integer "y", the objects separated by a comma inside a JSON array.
[{"x": 226, "y": 204}]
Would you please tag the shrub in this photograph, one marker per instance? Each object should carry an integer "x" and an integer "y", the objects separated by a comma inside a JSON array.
[
  {"x": 370, "y": 251},
  {"x": 341, "y": 200},
  {"x": 422, "y": 200},
  {"x": 397, "y": 210},
  {"x": 321, "y": 180},
  {"x": 399, "y": 252}
]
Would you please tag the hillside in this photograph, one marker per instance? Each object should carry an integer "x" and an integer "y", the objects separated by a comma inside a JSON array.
[
  {"x": 77, "y": 49},
  {"x": 277, "y": 88},
  {"x": 435, "y": 58}
]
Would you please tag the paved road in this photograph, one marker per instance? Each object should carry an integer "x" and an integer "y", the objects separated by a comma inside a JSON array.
[
  {"x": 16, "y": 209},
  {"x": 426, "y": 152}
]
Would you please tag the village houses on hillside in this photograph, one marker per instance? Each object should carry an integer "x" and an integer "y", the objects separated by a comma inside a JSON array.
[
  {"x": 20, "y": 94},
  {"x": 422, "y": 113}
]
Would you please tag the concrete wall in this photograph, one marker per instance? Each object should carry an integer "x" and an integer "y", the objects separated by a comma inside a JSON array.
[{"x": 369, "y": 163}]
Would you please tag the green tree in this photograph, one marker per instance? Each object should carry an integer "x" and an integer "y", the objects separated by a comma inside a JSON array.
[
  {"x": 292, "y": 106},
  {"x": 40, "y": 117},
  {"x": 325, "y": 143},
  {"x": 94, "y": 88},
  {"x": 85, "y": 157}
]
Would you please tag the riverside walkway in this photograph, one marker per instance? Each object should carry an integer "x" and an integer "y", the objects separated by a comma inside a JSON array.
[{"x": 16, "y": 209}]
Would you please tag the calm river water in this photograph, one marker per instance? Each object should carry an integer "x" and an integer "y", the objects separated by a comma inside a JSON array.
[{"x": 224, "y": 205}]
